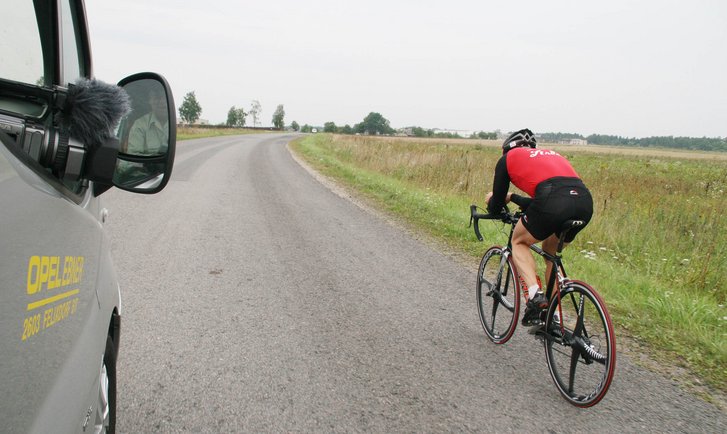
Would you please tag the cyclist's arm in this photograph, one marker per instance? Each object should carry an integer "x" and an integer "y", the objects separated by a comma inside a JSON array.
[
  {"x": 522, "y": 201},
  {"x": 500, "y": 185}
]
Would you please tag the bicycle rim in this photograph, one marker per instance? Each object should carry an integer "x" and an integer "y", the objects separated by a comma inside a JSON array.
[
  {"x": 498, "y": 296},
  {"x": 580, "y": 345}
]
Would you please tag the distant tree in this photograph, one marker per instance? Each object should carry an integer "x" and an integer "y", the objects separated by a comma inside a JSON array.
[
  {"x": 557, "y": 137},
  {"x": 190, "y": 110},
  {"x": 241, "y": 115},
  {"x": 421, "y": 132},
  {"x": 279, "y": 117},
  {"x": 306, "y": 129},
  {"x": 236, "y": 117},
  {"x": 231, "y": 117},
  {"x": 294, "y": 125},
  {"x": 374, "y": 124},
  {"x": 346, "y": 129},
  {"x": 447, "y": 135},
  {"x": 694, "y": 143},
  {"x": 486, "y": 136},
  {"x": 255, "y": 111},
  {"x": 329, "y": 127}
]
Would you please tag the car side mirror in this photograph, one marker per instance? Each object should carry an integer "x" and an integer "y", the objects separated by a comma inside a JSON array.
[{"x": 147, "y": 135}]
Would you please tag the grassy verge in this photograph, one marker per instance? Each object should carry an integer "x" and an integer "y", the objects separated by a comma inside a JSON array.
[
  {"x": 187, "y": 133},
  {"x": 655, "y": 249}
]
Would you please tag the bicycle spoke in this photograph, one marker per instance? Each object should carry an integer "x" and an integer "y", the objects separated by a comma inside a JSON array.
[
  {"x": 580, "y": 329},
  {"x": 575, "y": 354},
  {"x": 495, "y": 305}
]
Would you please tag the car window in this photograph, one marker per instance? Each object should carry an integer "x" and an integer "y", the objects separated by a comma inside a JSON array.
[
  {"x": 71, "y": 63},
  {"x": 20, "y": 49}
]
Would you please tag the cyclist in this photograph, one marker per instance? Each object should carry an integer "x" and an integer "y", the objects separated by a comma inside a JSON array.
[{"x": 557, "y": 194}]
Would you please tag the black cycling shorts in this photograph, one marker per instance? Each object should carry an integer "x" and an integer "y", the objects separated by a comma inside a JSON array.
[{"x": 556, "y": 201}]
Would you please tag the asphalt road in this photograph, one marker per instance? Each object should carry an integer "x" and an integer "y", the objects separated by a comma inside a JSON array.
[{"x": 254, "y": 299}]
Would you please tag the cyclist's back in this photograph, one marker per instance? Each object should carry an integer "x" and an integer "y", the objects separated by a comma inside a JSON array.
[
  {"x": 556, "y": 191},
  {"x": 528, "y": 167}
]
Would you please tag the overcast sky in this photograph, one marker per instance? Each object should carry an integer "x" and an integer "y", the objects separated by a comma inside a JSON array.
[{"x": 621, "y": 67}]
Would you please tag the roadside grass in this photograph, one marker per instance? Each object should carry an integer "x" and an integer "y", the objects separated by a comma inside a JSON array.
[
  {"x": 187, "y": 133},
  {"x": 655, "y": 249}
]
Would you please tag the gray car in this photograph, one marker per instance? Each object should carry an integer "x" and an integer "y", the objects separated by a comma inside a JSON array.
[{"x": 66, "y": 138}]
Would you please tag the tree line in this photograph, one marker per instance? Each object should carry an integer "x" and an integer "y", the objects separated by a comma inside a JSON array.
[
  {"x": 692, "y": 143},
  {"x": 376, "y": 124}
]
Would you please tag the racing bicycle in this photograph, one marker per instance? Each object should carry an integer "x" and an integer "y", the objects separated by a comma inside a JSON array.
[{"x": 580, "y": 346}]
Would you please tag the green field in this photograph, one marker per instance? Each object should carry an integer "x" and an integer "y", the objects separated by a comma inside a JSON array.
[{"x": 655, "y": 249}]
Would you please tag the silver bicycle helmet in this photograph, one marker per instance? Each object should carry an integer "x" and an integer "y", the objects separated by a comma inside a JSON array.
[{"x": 523, "y": 137}]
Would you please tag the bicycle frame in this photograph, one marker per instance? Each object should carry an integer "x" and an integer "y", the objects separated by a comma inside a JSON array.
[
  {"x": 557, "y": 272},
  {"x": 556, "y": 259}
]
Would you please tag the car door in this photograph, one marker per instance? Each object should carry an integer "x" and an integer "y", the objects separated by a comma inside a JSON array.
[{"x": 51, "y": 240}]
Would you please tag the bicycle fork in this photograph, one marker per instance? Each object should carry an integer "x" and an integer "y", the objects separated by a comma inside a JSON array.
[{"x": 495, "y": 291}]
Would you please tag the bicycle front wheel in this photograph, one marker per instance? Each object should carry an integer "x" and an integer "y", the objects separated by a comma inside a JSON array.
[
  {"x": 498, "y": 295},
  {"x": 580, "y": 345}
]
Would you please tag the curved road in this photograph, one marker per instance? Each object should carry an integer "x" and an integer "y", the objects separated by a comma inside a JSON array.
[{"x": 256, "y": 300}]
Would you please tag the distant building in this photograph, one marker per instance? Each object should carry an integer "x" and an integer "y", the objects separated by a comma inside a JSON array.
[
  {"x": 581, "y": 142},
  {"x": 406, "y": 131}
]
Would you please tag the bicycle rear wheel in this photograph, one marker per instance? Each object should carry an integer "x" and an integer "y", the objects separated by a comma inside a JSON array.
[
  {"x": 498, "y": 296},
  {"x": 580, "y": 345}
]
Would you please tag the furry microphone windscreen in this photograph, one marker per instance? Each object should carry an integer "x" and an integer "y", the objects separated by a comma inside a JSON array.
[{"x": 92, "y": 111}]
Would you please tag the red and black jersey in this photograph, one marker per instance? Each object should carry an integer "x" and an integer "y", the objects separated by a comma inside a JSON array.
[{"x": 526, "y": 168}]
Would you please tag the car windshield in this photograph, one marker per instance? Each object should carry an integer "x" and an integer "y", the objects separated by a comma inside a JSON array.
[{"x": 20, "y": 49}]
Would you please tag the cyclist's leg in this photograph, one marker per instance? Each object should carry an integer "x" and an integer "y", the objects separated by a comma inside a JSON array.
[
  {"x": 522, "y": 239},
  {"x": 521, "y": 255}
]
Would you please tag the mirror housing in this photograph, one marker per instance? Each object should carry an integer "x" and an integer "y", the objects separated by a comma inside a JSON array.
[
  {"x": 146, "y": 137},
  {"x": 102, "y": 163}
]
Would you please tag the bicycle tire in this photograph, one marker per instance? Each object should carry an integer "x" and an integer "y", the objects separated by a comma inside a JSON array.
[
  {"x": 498, "y": 296},
  {"x": 580, "y": 339}
]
